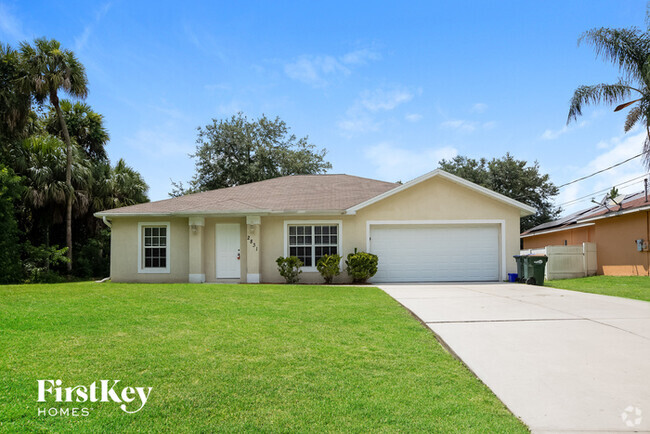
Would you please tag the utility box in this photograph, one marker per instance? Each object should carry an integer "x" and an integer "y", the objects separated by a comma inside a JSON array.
[{"x": 641, "y": 245}]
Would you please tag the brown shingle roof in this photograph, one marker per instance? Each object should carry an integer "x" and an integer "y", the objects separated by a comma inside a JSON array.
[{"x": 286, "y": 194}]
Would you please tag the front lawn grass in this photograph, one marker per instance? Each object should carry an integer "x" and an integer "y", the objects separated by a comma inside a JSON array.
[
  {"x": 636, "y": 287},
  {"x": 236, "y": 358}
]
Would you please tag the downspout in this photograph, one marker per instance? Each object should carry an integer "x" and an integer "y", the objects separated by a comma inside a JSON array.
[
  {"x": 108, "y": 223},
  {"x": 647, "y": 237}
]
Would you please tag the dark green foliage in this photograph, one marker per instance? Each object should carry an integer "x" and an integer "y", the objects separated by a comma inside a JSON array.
[
  {"x": 237, "y": 151},
  {"x": 39, "y": 261},
  {"x": 86, "y": 128},
  {"x": 15, "y": 104},
  {"x": 52, "y": 165},
  {"x": 10, "y": 190},
  {"x": 361, "y": 266},
  {"x": 289, "y": 268},
  {"x": 629, "y": 50},
  {"x": 513, "y": 178},
  {"x": 328, "y": 267},
  {"x": 92, "y": 258}
]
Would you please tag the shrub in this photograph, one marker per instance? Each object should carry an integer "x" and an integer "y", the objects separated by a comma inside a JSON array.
[
  {"x": 328, "y": 267},
  {"x": 361, "y": 266},
  {"x": 289, "y": 268},
  {"x": 40, "y": 259}
]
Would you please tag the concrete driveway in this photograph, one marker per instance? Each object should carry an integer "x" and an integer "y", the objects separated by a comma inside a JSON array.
[{"x": 561, "y": 360}]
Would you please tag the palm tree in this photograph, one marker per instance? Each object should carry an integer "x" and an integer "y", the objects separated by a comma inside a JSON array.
[
  {"x": 41, "y": 163},
  {"x": 50, "y": 69},
  {"x": 629, "y": 49},
  {"x": 15, "y": 103},
  {"x": 85, "y": 126}
]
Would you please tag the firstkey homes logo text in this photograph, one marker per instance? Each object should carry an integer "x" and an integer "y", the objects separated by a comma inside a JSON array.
[{"x": 131, "y": 399}]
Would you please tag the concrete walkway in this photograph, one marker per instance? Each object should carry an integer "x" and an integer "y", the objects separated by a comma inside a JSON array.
[{"x": 562, "y": 361}]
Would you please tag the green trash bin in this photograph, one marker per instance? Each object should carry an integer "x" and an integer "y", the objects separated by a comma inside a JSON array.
[
  {"x": 520, "y": 267},
  {"x": 535, "y": 266}
]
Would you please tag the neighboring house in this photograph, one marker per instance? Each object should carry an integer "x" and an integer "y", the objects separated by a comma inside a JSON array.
[
  {"x": 437, "y": 227},
  {"x": 615, "y": 227}
]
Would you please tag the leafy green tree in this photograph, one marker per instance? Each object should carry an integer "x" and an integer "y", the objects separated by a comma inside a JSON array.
[
  {"x": 237, "y": 151},
  {"x": 629, "y": 50},
  {"x": 50, "y": 69},
  {"x": 512, "y": 178},
  {"x": 10, "y": 192},
  {"x": 85, "y": 126}
]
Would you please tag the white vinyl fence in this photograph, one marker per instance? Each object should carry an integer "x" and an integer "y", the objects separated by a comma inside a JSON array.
[{"x": 567, "y": 262}]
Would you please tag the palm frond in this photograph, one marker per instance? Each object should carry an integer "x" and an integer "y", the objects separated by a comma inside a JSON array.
[
  {"x": 626, "y": 48},
  {"x": 634, "y": 115},
  {"x": 595, "y": 94}
]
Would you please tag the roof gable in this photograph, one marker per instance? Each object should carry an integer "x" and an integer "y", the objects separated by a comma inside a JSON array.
[{"x": 525, "y": 210}]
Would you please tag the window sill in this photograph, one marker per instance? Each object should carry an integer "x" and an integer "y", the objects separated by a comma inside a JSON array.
[{"x": 153, "y": 271}]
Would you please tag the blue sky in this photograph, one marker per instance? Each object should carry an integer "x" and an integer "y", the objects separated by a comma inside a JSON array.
[{"x": 388, "y": 89}]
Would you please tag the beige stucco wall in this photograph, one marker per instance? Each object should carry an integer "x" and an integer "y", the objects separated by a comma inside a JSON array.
[
  {"x": 124, "y": 250},
  {"x": 434, "y": 199}
]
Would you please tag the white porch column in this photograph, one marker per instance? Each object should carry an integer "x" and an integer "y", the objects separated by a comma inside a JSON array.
[
  {"x": 197, "y": 273},
  {"x": 253, "y": 226}
]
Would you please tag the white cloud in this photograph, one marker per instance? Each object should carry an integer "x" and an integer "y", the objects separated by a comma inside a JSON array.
[
  {"x": 81, "y": 40},
  {"x": 382, "y": 99},
  {"x": 479, "y": 107},
  {"x": 360, "y": 116},
  {"x": 413, "y": 117},
  {"x": 360, "y": 57},
  {"x": 554, "y": 134},
  {"x": 460, "y": 124},
  {"x": 10, "y": 25},
  {"x": 204, "y": 41},
  {"x": 393, "y": 163},
  {"x": 617, "y": 149},
  {"x": 313, "y": 69},
  {"x": 356, "y": 122},
  {"x": 316, "y": 70}
]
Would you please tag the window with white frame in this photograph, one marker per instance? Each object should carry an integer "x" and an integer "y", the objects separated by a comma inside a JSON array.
[
  {"x": 310, "y": 242},
  {"x": 154, "y": 247}
]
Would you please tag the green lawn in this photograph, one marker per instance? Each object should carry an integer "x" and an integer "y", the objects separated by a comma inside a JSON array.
[
  {"x": 636, "y": 287},
  {"x": 235, "y": 358}
]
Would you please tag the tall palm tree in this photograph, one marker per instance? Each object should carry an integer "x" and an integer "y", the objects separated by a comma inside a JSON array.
[
  {"x": 629, "y": 49},
  {"x": 50, "y": 69},
  {"x": 85, "y": 126}
]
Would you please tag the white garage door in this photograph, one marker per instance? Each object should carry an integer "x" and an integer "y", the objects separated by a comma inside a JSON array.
[{"x": 418, "y": 253}]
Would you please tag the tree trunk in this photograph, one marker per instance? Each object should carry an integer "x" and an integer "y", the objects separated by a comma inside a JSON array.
[{"x": 54, "y": 99}]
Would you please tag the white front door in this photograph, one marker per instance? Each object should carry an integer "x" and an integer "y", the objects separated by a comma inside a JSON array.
[{"x": 228, "y": 251}]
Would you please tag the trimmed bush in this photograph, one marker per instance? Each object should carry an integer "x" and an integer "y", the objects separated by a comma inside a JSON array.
[
  {"x": 289, "y": 268},
  {"x": 328, "y": 267},
  {"x": 361, "y": 266}
]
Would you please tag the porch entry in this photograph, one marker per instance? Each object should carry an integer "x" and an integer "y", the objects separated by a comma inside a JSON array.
[{"x": 228, "y": 251}]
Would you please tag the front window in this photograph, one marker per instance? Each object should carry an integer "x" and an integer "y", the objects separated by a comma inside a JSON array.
[
  {"x": 310, "y": 242},
  {"x": 154, "y": 253}
]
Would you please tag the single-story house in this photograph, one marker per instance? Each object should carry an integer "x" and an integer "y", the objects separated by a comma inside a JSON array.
[
  {"x": 620, "y": 229},
  {"x": 438, "y": 227}
]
